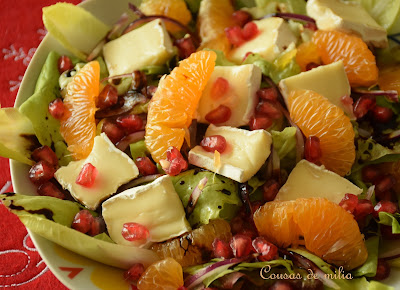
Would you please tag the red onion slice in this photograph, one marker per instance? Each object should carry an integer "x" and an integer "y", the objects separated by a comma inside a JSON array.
[
  {"x": 129, "y": 139},
  {"x": 194, "y": 197},
  {"x": 391, "y": 94},
  {"x": 294, "y": 16}
]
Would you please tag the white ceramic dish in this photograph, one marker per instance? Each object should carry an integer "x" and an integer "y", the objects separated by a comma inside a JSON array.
[{"x": 75, "y": 271}]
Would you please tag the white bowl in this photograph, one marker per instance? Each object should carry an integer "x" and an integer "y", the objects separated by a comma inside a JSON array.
[{"x": 73, "y": 270}]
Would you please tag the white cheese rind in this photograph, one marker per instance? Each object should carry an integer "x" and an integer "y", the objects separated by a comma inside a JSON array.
[
  {"x": 244, "y": 81},
  {"x": 114, "y": 169},
  {"x": 308, "y": 180},
  {"x": 156, "y": 206},
  {"x": 328, "y": 80},
  {"x": 246, "y": 152},
  {"x": 146, "y": 45},
  {"x": 273, "y": 38},
  {"x": 348, "y": 17}
]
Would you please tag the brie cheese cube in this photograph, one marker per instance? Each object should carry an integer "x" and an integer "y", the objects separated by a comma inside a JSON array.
[
  {"x": 348, "y": 17},
  {"x": 308, "y": 180},
  {"x": 328, "y": 80},
  {"x": 274, "y": 36},
  {"x": 114, "y": 169},
  {"x": 146, "y": 45},
  {"x": 244, "y": 155},
  {"x": 155, "y": 205},
  {"x": 244, "y": 81}
]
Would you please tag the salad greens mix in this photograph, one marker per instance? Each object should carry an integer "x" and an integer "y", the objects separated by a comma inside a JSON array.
[{"x": 210, "y": 231}]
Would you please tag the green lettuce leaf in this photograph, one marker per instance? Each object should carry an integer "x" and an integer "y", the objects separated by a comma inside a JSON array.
[
  {"x": 138, "y": 149},
  {"x": 221, "y": 58},
  {"x": 284, "y": 142},
  {"x": 392, "y": 220},
  {"x": 219, "y": 198},
  {"x": 368, "y": 269}
]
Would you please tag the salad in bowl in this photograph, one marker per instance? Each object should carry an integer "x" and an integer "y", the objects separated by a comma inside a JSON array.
[{"x": 211, "y": 145}]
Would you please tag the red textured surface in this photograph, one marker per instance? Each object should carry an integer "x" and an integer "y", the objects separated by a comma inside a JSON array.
[{"x": 21, "y": 30}]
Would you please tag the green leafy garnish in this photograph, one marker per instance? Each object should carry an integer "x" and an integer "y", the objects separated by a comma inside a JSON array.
[{"x": 392, "y": 220}]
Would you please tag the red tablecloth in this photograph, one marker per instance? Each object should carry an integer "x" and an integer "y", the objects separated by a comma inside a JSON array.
[{"x": 21, "y": 30}]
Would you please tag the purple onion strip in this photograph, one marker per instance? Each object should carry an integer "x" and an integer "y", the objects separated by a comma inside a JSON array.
[
  {"x": 292, "y": 16},
  {"x": 129, "y": 139},
  {"x": 391, "y": 94},
  {"x": 194, "y": 197}
]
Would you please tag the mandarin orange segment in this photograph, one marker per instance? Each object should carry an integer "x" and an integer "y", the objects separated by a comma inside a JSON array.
[
  {"x": 328, "y": 230},
  {"x": 307, "y": 53},
  {"x": 214, "y": 16},
  {"x": 358, "y": 60},
  {"x": 316, "y": 116},
  {"x": 389, "y": 78},
  {"x": 78, "y": 126},
  {"x": 174, "y": 104},
  {"x": 166, "y": 274}
]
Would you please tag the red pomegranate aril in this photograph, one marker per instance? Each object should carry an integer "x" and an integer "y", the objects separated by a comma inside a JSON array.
[
  {"x": 387, "y": 233},
  {"x": 363, "y": 208},
  {"x": 130, "y": 123},
  {"x": 57, "y": 108},
  {"x": 384, "y": 183},
  {"x": 219, "y": 88},
  {"x": 270, "y": 190},
  {"x": 175, "y": 162},
  {"x": 236, "y": 224},
  {"x": 267, "y": 94},
  {"x": 221, "y": 249},
  {"x": 82, "y": 221},
  {"x": 45, "y": 153},
  {"x": 134, "y": 272},
  {"x": 370, "y": 173},
  {"x": 98, "y": 226},
  {"x": 241, "y": 245},
  {"x": 145, "y": 166},
  {"x": 107, "y": 97},
  {"x": 267, "y": 108},
  {"x": 214, "y": 143},
  {"x": 64, "y": 63},
  {"x": 185, "y": 47},
  {"x": 349, "y": 202},
  {"x": 134, "y": 232},
  {"x": 219, "y": 115},
  {"x": 382, "y": 271},
  {"x": 235, "y": 35},
  {"x": 385, "y": 206},
  {"x": 260, "y": 122},
  {"x": 113, "y": 131},
  {"x": 87, "y": 176},
  {"x": 249, "y": 30},
  {"x": 312, "y": 150},
  {"x": 241, "y": 17},
  {"x": 386, "y": 195},
  {"x": 311, "y": 65},
  {"x": 363, "y": 105},
  {"x": 50, "y": 189},
  {"x": 382, "y": 114},
  {"x": 267, "y": 250},
  {"x": 41, "y": 172}
]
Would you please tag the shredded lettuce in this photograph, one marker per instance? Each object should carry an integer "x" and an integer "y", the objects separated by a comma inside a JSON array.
[
  {"x": 368, "y": 269},
  {"x": 392, "y": 220},
  {"x": 221, "y": 58}
]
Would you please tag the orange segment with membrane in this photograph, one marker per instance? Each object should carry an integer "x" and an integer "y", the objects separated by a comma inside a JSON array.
[
  {"x": 78, "y": 125},
  {"x": 316, "y": 116},
  {"x": 174, "y": 104},
  {"x": 359, "y": 62},
  {"x": 389, "y": 78},
  {"x": 307, "y": 53},
  {"x": 323, "y": 227}
]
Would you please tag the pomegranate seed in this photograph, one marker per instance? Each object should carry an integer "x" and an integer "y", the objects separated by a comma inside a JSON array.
[
  {"x": 349, "y": 202},
  {"x": 241, "y": 245},
  {"x": 267, "y": 108},
  {"x": 270, "y": 190},
  {"x": 44, "y": 153},
  {"x": 219, "y": 88},
  {"x": 241, "y": 17},
  {"x": 64, "y": 63},
  {"x": 219, "y": 115},
  {"x": 260, "y": 122},
  {"x": 385, "y": 206},
  {"x": 386, "y": 195},
  {"x": 175, "y": 162},
  {"x": 185, "y": 47},
  {"x": 134, "y": 232},
  {"x": 82, "y": 221},
  {"x": 364, "y": 104},
  {"x": 384, "y": 183},
  {"x": 370, "y": 174},
  {"x": 57, "y": 109},
  {"x": 130, "y": 123},
  {"x": 382, "y": 271},
  {"x": 87, "y": 176},
  {"x": 311, "y": 65},
  {"x": 113, "y": 132},
  {"x": 267, "y": 250},
  {"x": 267, "y": 94},
  {"x": 250, "y": 30},
  {"x": 234, "y": 35},
  {"x": 249, "y": 232},
  {"x": 236, "y": 224},
  {"x": 134, "y": 272},
  {"x": 145, "y": 166},
  {"x": 363, "y": 208},
  {"x": 382, "y": 114},
  {"x": 107, "y": 97},
  {"x": 221, "y": 249},
  {"x": 98, "y": 226},
  {"x": 387, "y": 233},
  {"x": 41, "y": 172},
  {"x": 312, "y": 150},
  {"x": 50, "y": 189},
  {"x": 212, "y": 143}
]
